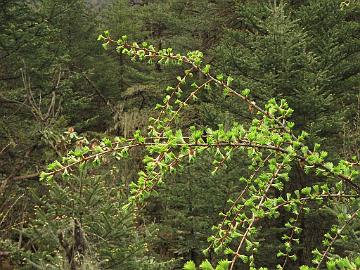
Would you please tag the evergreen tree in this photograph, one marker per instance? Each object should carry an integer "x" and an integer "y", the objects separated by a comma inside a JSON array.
[
  {"x": 274, "y": 53},
  {"x": 54, "y": 76}
]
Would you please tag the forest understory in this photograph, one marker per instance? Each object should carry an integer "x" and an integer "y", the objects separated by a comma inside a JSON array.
[{"x": 177, "y": 134}]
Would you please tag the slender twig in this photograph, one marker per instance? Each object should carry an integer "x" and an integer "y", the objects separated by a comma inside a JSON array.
[
  {"x": 240, "y": 196},
  {"x": 4, "y": 148},
  {"x": 253, "y": 219},
  {"x": 337, "y": 235}
]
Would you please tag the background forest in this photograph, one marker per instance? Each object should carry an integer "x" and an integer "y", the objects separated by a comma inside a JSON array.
[{"x": 59, "y": 89}]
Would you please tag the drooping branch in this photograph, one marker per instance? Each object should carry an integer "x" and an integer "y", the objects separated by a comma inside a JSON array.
[
  {"x": 194, "y": 60},
  {"x": 270, "y": 135}
]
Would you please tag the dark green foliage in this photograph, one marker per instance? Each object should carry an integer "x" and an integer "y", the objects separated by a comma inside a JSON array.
[
  {"x": 185, "y": 221},
  {"x": 285, "y": 54},
  {"x": 54, "y": 77},
  {"x": 109, "y": 237}
]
